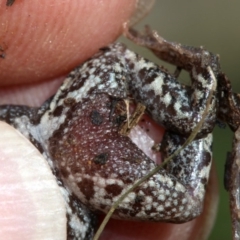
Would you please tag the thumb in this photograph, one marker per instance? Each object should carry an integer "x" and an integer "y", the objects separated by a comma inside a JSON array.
[{"x": 27, "y": 185}]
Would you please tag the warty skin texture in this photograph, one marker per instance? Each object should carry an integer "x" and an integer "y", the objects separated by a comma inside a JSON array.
[{"x": 78, "y": 132}]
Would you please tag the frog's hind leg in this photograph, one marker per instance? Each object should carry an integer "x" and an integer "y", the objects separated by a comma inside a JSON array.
[{"x": 181, "y": 56}]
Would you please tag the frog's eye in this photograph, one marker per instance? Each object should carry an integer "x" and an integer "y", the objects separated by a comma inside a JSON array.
[{"x": 142, "y": 8}]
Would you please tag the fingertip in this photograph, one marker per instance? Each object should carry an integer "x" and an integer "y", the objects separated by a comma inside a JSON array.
[{"x": 44, "y": 39}]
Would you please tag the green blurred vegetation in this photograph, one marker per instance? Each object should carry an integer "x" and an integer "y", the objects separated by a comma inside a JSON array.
[{"x": 213, "y": 24}]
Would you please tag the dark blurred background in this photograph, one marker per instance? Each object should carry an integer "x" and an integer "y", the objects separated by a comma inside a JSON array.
[{"x": 213, "y": 24}]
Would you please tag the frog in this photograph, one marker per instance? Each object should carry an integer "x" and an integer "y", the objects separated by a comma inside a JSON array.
[{"x": 78, "y": 131}]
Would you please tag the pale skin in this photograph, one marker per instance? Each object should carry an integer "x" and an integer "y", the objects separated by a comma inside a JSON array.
[{"x": 65, "y": 47}]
